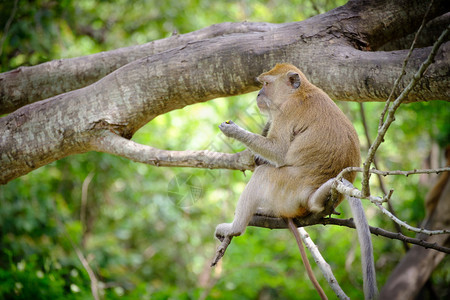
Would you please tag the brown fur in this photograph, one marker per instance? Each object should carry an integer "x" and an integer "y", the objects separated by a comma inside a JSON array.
[
  {"x": 308, "y": 143},
  {"x": 321, "y": 141}
]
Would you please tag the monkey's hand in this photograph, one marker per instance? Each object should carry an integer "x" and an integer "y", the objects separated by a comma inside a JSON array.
[
  {"x": 230, "y": 129},
  {"x": 225, "y": 229}
]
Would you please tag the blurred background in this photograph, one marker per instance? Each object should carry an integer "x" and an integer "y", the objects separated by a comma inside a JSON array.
[{"x": 147, "y": 232}]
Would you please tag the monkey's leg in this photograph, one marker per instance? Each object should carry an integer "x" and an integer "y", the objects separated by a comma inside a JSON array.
[
  {"x": 246, "y": 207},
  {"x": 317, "y": 200}
]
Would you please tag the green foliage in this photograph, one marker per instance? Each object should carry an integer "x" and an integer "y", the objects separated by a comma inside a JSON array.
[{"x": 147, "y": 232}]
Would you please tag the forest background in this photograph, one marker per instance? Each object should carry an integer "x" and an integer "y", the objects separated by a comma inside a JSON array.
[{"x": 148, "y": 231}]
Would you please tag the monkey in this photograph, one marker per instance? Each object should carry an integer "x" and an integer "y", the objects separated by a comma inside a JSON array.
[{"x": 306, "y": 143}]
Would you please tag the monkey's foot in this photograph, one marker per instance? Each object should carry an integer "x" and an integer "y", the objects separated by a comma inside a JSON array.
[
  {"x": 221, "y": 250},
  {"x": 224, "y": 233},
  {"x": 226, "y": 230}
]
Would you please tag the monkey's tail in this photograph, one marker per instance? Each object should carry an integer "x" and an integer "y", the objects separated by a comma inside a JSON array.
[
  {"x": 365, "y": 242},
  {"x": 305, "y": 260}
]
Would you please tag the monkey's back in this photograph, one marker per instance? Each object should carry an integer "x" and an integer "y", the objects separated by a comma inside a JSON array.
[{"x": 323, "y": 143}]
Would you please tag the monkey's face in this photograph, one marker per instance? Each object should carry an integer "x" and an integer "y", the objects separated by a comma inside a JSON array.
[
  {"x": 263, "y": 101},
  {"x": 276, "y": 90}
]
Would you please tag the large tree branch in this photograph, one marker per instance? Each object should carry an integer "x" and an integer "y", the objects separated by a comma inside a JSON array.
[
  {"x": 114, "y": 144},
  {"x": 26, "y": 85},
  {"x": 126, "y": 99},
  {"x": 428, "y": 36},
  {"x": 311, "y": 44},
  {"x": 385, "y": 21}
]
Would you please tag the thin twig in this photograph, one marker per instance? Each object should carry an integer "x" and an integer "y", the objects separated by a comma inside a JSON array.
[
  {"x": 369, "y": 142},
  {"x": 391, "y": 111},
  {"x": 407, "y": 226},
  {"x": 405, "y": 62},
  {"x": 375, "y": 163},
  {"x": 84, "y": 262},
  {"x": 397, "y": 172},
  {"x": 84, "y": 197},
  {"x": 391, "y": 235},
  {"x": 323, "y": 265},
  {"x": 353, "y": 192},
  {"x": 278, "y": 223}
]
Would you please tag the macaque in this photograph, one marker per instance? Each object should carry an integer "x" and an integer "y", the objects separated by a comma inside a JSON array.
[{"x": 308, "y": 140}]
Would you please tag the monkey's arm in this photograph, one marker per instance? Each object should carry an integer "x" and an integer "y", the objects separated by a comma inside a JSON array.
[
  {"x": 275, "y": 152},
  {"x": 259, "y": 160}
]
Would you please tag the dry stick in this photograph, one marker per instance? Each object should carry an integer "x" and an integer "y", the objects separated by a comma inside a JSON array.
[
  {"x": 323, "y": 265},
  {"x": 396, "y": 172},
  {"x": 305, "y": 260},
  {"x": 385, "y": 233},
  {"x": 84, "y": 262},
  {"x": 391, "y": 110},
  {"x": 279, "y": 223},
  {"x": 84, "y": 198},
  {"x": 411, "y": 172},
  {"x": 369, "y": 142},
  {"x": 407, "y": 226},
  {"x": 353, "y": 192},
  {"x": 92, "y": 277},
  {"x": 380, "y": 179}
]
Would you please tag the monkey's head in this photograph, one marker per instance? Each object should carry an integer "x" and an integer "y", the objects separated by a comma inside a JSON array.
[{"x": 280, "y": 84}]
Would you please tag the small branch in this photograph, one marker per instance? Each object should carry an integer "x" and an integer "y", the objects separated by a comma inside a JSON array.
[
  {"x": 84, "y": 197},
  {"x": 391, "y": 111},
  {"x": 387, "y": 199},
  {"x": 397, "y": 172},
  {"x": 407, "y": 226},
  {"x": 411, "y": 172},
  {"x": 385, "y": 233},
  {"x": 84, "y": 262},
  {"x": 405, "y": 62},
  {"x": 278, "y": 223},
  {"x": 375, "y": 163},
  {"x": 115, "y": 144},
  {"x": 323, "y": 265},
  {"x": 92, "y": 277},
  {"x": 340, "y": 187},
  {"x": 369, "y": 142}
]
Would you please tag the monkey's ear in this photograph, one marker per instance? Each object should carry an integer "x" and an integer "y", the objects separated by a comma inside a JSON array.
[{"x": 294, "y": 79}]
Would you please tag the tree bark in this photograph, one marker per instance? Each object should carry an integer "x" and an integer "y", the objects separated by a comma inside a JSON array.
[
  {"x": 325, "y": 44},
  {"x": 222, "y": 60}
]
